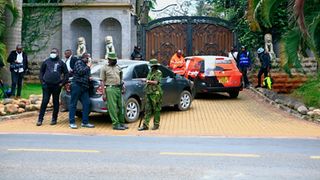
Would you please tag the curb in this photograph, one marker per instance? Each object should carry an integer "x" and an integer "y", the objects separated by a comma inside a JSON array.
[{"x": 284, "y": 108}]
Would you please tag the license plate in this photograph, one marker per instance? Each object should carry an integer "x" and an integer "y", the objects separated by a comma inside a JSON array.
[{"x": 223, "y": 80}]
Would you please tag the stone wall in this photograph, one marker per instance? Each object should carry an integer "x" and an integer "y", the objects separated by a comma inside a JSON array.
[
  {"x": 310, "y": 66},
  {"x": 50, "y": 38},
  {"x": 33, "y": 77},
  {"x": 283, "y": 82}
]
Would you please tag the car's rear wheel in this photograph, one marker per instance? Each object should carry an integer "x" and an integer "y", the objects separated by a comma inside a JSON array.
[
  {"x": 233, "y": 94},
  {"x": 185, "y": 101},
  {"x": 132, "y": 110}
]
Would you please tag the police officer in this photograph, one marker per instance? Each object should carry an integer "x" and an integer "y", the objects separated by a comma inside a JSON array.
[
  {"x": 153, "y": 96},
  {"x": 111, "y": 77}
]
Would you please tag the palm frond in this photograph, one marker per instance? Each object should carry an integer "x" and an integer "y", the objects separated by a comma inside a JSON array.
[
  {"x": 152, "y": 4},
  {"x": 14, "y": 11},
  {"x": 267, "y": 8},
  {"x": 2, "y": 27},
  {"x": 290, "y": 9},
  {"x": 292, "y": 40},
  {"x": 3, "y": 52},
  {"x": 314, "y": 28}
]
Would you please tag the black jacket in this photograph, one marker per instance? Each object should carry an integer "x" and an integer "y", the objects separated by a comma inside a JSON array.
[
  {"x": 51, "y": 71},
  {"x": 73, "y": 61},
  {"x": 265, "y": 60},
  {"x": 13, "y": 57},
  {"x": 81, "y": 74},
  {"x": 136, "y": 55}
]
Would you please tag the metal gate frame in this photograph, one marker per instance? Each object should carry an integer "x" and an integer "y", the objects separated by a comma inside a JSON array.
[{"x": 189, "y": 20}]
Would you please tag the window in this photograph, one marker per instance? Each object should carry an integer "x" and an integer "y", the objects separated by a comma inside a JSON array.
[
  {"x": 140, "y": 71},
  {"x": 166, "y": 72}
]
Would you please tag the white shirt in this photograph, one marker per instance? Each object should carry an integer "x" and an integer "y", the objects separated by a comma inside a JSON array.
[
  {"x": 235, "y": 54},
  {"x": 67, "y": 62},
  {"x": 19, "y": 60}
]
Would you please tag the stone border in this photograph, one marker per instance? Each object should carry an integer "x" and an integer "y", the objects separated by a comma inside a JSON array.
[
  {"x": 18, "y": 116},
  {"x": 22, "y": 115},
  {"x": 284, "y": 108}
]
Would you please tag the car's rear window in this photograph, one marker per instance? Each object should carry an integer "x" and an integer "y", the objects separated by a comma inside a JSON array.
[{"x": 225, "y": 61}]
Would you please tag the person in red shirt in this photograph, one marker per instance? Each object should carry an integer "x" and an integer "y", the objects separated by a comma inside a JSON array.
[{"x": 178, "y": 63}]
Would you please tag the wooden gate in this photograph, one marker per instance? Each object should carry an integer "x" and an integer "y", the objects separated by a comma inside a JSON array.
[{"x": 193, "y": 35}]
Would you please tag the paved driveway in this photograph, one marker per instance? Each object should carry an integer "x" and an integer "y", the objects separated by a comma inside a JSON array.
[{"x": 210, "y": 115}]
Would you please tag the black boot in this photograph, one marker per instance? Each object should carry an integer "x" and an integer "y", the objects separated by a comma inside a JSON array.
[
  {"x": 39, "y": 123},
  {"x": 155, "y": 127},
  {"x": 124, "y": 126},
  {"x": 53, "y": 122},
  {"x": 118, "y": 127}
]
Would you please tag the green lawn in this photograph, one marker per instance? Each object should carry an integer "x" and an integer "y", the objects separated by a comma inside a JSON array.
[
  {"x": 309, "y": 93},
  {"x": 29, "y": 89}
]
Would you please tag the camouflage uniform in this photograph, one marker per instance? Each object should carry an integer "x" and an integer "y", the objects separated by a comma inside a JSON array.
[{"x": 153, "y": 99}]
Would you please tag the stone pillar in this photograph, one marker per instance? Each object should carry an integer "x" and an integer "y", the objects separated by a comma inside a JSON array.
[
  {"x": 95, "y": 54},
  {"x": 13, "y": 34},
  {"x": 66, "y": 32},
  {"x": 126, "y": 38},
  {"x": 12, "y": 38}
]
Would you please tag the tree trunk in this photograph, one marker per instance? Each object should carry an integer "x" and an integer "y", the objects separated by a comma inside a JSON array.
[{"x": 12, "y": 38}]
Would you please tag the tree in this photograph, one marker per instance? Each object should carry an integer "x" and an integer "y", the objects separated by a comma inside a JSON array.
[
  {"x": 294, "y": 23},
  {"x": 303, "y": 25},
  {"x": 6, "y": 5}
]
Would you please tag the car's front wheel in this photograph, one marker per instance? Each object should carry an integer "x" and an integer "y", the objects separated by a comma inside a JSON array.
[
  {"x": 132, "y": 110},
  {"x": 234, "y": 94},
  {"x": 185, "y": 101}
]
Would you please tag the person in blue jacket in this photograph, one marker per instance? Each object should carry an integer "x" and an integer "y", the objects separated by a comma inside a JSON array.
[{"x": 244, "y": 63}]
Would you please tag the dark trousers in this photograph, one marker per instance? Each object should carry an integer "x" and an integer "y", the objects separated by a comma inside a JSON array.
[
  {"x": 79, "y": 93},
  {"x": 16, "y": 79},
  {"x": 263, "y": 71},
  {"x": 243, "y": 70},
  {"x": 47, "y": 91}
]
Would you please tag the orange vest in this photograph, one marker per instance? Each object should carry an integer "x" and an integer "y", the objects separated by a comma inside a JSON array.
[{"x": 178, "y": 65}]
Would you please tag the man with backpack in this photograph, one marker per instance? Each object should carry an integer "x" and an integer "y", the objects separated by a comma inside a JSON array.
[
  {"x": 51, "y": 72},
  {"x": 265, "y": 64},
  {"x": 244, "y": 63}
]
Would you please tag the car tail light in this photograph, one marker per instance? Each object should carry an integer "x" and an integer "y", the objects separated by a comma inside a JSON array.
[
  {"x": 201, "y": 75},
  {"x": 67, "y": 87},
  {"x": 100, "y": 90}
]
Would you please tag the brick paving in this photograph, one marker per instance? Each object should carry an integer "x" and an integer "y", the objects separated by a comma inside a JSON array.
[{"x": 210, "y": 115}]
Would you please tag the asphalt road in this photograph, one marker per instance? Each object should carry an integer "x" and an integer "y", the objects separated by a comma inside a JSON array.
[{"x": 132, "y": 157}]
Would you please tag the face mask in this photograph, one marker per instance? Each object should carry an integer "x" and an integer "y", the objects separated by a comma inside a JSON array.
[{"x": 53, "y": 55}]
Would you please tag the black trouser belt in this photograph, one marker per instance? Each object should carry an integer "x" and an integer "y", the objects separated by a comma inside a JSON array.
[{"x": 118, "y": 86}]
